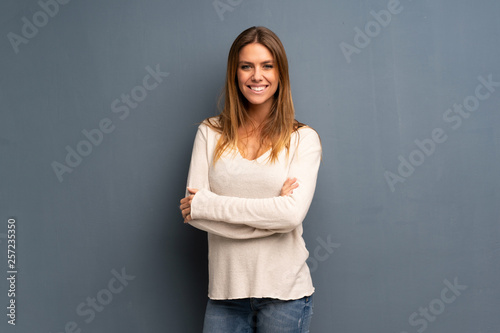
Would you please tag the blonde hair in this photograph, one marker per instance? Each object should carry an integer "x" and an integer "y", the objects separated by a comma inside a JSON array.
[{"x": 280, "y": 124}]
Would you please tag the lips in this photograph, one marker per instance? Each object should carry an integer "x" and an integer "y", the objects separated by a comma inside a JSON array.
[{"x": 258, "y": 89}]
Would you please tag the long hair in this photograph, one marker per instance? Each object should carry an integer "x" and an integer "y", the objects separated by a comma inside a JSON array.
[{"x": 280, "y": 124}]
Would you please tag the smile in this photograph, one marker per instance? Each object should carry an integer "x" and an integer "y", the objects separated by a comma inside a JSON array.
[{"x": 258, "y": 89}]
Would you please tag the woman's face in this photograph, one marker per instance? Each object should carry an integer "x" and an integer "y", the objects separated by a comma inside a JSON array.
[{"x": 257, "y": 74}]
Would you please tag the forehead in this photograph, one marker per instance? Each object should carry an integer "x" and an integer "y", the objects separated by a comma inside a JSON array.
[{"x": 255, "y": 52}]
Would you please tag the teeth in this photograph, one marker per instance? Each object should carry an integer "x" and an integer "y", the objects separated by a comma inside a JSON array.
[{"x": 257, "y": 88}]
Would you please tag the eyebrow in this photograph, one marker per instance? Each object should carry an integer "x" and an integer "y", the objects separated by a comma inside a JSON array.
[{"x": 264, "y": 62}]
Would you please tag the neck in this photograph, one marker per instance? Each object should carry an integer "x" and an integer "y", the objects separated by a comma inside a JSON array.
[{"x": 259, "y": 113}]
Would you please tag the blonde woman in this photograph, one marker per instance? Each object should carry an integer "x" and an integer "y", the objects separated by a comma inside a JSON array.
[{"x": 251, "y": 181}]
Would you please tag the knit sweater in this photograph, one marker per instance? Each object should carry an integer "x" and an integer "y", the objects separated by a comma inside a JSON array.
[{"x": 255, "y": 244}]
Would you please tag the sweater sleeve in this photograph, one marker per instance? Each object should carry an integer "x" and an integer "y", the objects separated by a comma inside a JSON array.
[
  {"x": 198, "y": 178},
  {"x": 279, "y": 214}
]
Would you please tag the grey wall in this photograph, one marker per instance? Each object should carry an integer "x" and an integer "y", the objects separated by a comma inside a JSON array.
[{"x": 404, "y": 229}]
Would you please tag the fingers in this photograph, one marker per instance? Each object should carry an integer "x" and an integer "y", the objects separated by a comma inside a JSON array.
[
  {"x": 185, "y": 207},
  {"x": 292, "y": 183},
  {"x": 186, "y": 202},
  {"x": 192, "y": 190},
  {"x": 288, "y": 182},
  {"x": 288, "y": 186},
  {"x": 186, "y": 214}
]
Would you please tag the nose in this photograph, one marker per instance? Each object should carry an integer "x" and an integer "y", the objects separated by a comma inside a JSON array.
[{"x": 257, "y": 75}]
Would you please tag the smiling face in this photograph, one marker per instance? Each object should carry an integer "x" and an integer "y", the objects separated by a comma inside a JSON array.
[{"x": 257, "y": 75}]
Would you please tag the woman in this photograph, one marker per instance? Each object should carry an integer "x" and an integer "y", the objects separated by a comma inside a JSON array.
[{"x": 250, "y": 184}]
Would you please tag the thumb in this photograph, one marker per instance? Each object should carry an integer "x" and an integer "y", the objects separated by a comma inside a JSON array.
[{"x": 192, "y": 190}]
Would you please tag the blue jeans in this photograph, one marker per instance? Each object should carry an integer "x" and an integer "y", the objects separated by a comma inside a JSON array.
[{"x": 258, "y": 315}]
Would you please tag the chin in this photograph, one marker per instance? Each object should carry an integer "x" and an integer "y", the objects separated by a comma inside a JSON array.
[{"x": 254, "y": 99}]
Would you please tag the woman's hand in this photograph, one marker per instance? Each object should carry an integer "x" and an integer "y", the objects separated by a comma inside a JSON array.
[
  {"x": 288, "y": 186},
  {"x": 185, "y": 206}
]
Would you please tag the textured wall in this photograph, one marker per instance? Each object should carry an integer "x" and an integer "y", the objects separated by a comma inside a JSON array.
[{"x": 99, "y": 101}]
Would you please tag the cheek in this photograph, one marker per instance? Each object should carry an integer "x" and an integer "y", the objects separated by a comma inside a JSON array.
[
  {"x": 273, "y": 78},
  {"x": 276, "y": 77},
  {"x": 239, "y": 83},
  {"x": 241, "y": 79},
  {"x": 276, "y": 81}
]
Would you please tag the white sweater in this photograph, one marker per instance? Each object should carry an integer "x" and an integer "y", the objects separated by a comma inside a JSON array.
[{"x": 255, "y": 239}]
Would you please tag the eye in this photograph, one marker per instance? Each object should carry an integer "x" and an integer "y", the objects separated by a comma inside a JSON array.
[
  {"x": 268, "y": 66},
  {"x": 244, "y": 67}
]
